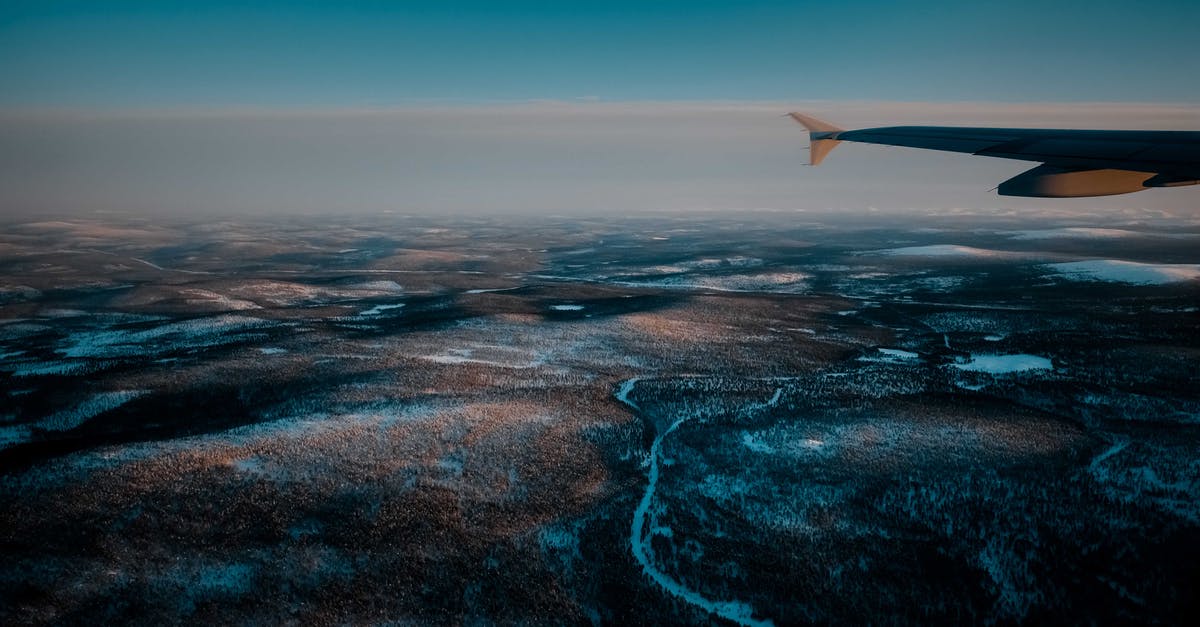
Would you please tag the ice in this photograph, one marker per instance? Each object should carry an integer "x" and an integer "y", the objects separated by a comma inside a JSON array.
[
  {"x": 899, "y": 354},
  {"x": 641, "y": 531},
  {"x": 490, "y": 290},
  {"x": 379, "y": 309},
  {"x": 1005, "y": 364},
  {"x": 891, "y": 356},
  {"x": 622, "y": 393},
  {"x": 1119, "y": 271}
]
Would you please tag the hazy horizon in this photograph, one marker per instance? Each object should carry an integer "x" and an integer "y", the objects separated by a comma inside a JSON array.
[{"x": 582, "y": 157}]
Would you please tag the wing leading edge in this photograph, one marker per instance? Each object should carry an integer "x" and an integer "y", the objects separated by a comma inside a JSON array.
[{"x": 1074, "y": 163}]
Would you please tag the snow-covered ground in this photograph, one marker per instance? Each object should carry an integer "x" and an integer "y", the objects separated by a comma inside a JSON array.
[
  {"x": 948, "y": 250},
  {"x": 895, "y": 354},
  {"x": 44, "y": 368},
  {"x": 1078, "y": 232},
  {"x": 12, "y": 435},
  {"x": 1119, "y": 271},
  {"x": 92, "y": 407},
  {"x": 490, "y": 355},
  {"x": 494, "y": 289},
  {"x": 379, "y": 309},
  {"x": 200, "y": 298},
  {"x": 1005, "y": 364},
  {"x": 68, "y": 419},
  {"x": 197, "y": 333},
  {"x": 703, "y": 264},
  {"x": 776, "y": 282}
]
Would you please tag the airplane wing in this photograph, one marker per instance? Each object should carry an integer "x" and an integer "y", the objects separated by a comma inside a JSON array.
[{"x": 1074, "y": 163}]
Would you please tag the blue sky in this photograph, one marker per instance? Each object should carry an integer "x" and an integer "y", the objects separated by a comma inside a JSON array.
[
  {"x": 164, "y": 53},
  {"x": 162, "y": 106}
]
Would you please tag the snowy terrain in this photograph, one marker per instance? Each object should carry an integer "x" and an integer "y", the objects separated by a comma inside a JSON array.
[{"x": 1119, "y": 271}]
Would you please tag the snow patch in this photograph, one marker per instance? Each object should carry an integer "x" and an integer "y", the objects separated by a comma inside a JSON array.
[
  {"x": 94, "y": 406},
  {"x": 12, "y": 435},
  {"x": 379, "y": 286},
  {"x": 1077, "y": 232},
  {"x": 48, "y": 368},
  {"x": 891, "y": 356},
  {"x": 379, "y": 309},
  {"x": 752, "y": 442},
  {"x": 775, "y": 282},
  {"x": 198, "y": 333},
  {"x": 490, "y": 290},
  {"x": 1005, "y": 364},
  {"x": 1118, "y": 271},
  {"x": 945, "y": 250},
  {"x": 221, "y": 301},
  {"x": 457, "y": 356}
]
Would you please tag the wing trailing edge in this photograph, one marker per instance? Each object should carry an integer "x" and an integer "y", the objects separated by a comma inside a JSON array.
[
  {"x": 1074, "y": 163},
  {"x": 821, "y": 137}
]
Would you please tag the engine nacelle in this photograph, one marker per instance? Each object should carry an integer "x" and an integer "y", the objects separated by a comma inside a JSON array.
[{"x": 1047, "y": 181}]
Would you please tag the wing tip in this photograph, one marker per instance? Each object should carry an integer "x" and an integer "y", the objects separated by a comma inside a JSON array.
[
  {"x": 822, "y": 136},
  {"x": 814, "y": 125}
]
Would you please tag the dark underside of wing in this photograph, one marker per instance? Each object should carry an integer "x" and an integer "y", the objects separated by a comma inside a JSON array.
[{"x": 1074, "y": 162}]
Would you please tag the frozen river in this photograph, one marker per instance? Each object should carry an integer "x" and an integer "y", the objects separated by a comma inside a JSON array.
[{"x": 639, "y": 539}]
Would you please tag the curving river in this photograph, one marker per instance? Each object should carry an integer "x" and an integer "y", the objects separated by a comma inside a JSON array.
[{"x": 639, "y": 540}]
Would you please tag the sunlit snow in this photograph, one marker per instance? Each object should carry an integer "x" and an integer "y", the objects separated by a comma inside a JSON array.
[
  {"x": 379, "y": 309},
  {"x": 1004, "y": 364},
  {"x": 1119, "y": 271}
]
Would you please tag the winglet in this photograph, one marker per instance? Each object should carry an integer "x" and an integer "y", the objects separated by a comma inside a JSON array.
[{"x": 822, "y": 136}]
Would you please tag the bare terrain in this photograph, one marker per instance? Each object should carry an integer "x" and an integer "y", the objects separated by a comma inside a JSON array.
[{"x": 758, "y": 419}]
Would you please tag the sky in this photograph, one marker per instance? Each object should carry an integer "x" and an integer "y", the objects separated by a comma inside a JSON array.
[{"x": 592, "y": 106}]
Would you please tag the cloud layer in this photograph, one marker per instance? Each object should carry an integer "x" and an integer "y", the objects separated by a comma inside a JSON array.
[{"x": 535, "y": 157}]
